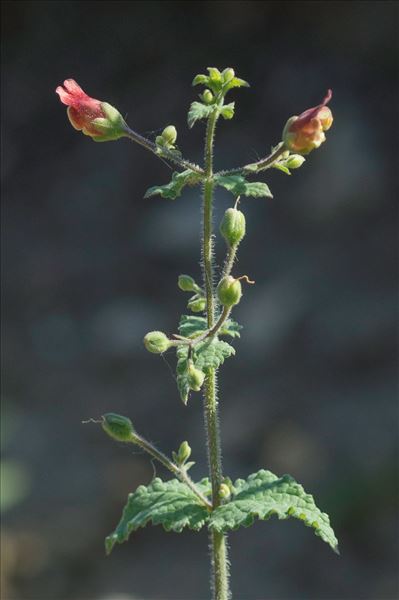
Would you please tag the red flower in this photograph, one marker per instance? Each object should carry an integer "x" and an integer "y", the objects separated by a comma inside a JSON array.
[
  {"x": 306, "y": 132},
  {"x": 99, "y": 120}
]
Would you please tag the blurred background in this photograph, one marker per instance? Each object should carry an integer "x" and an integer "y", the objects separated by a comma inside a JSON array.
[{"x": 89, "y": 267}]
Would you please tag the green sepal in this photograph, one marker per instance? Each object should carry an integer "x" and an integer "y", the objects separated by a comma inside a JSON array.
[
  {"x": 239, "y": 186},
  {"x": 191, "y": 326},
  {"x": 281, "y": 168},
  {"x": 173, "y": 189},
  {"x": 198, "y": 111},
  {"x": 171, "y": 504},
  {"x": 264, "y": 494}
]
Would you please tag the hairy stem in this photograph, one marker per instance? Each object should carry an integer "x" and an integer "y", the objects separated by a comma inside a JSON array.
[
  {"x": 180, "y": 472},
  {"x": 166, "y": 154},
  {"x": 217, "y": 540},
  {"x": 260, "y": 165}
]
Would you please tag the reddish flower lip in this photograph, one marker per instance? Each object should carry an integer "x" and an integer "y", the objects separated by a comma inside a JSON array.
[{"x": 311, "y": 113}]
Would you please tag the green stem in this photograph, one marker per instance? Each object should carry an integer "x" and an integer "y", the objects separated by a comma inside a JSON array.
[
  {"x": 260, "y": 165},
  {"x": 166, "y": 154},
  {"x": 180, "y": 472},
  {"x": 218, "y": 544}
]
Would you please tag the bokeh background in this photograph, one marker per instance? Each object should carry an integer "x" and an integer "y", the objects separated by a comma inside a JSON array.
[{"x": 89, "y": 267}]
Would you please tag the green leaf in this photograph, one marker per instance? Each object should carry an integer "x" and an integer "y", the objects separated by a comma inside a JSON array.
[
  {"x": 174, "y": 188},
  {"x": 227, "y": 111},
  {"x": 191, "y": 326},
  {"x": 210, "y": 354},
  {"x": 282, "y": 168},
  {"x": 239, "y": 186},
  {"x": 237, "y": 82},
  {"x": 168, "y": 503},
  {"x": 263, "y": 495},
  {"x": 198, "y": 111},
  {"x": 200, "y": 80},
  {"x": 231, "y": 328}
]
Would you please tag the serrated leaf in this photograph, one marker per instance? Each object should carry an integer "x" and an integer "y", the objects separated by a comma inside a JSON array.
[
  {"x": 168, "y": 503},
  {"x": 239, "y": 186},
  {"x": 210, "y": 354},
  {"x": 282, "y": 168},
  {"x": 237, "y": 82},
  {"x": 231, "y": 328},
  {"x": 200, "y": 80},
  {"x": 227, "y": 111},
  {"x": 198, "y": 111},
  {"x": 173, "y": 189},
  {"x": 264, "y": 494},
  {"x": 191, "y": 326}
]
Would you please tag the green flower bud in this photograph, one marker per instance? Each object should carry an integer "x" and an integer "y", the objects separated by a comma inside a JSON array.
[
  {"x": 228, "y": 75},
  {"x": 214, "y": 74},
  {"x": 195, "y": 378},
  {"x": 156, "y": 342},
  {"x": 229, "y": 291},
  {"x": 224, "y": 491},
  {"x": 186, "y": 283},
  {"x": 169, "y": 134},
  {"x": 184, "y": 453},
  {"x": 207, "y": 97},
  {"x": 118, "y": 427},
  {"x": 294, "y": 161},
  {"x": 232, "y": 226},
  {"x": 196, "y": 304},
  {"x": 159, "y": 140}
]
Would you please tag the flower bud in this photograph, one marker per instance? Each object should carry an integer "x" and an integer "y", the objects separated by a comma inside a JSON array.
[
  {"x": 214, "y": 74},
  {"x": 229, "y": 291},
  {"x": 184, "y": 453},
  {"x": 228, "y": 75},
  {"x": 196, "y": 304},
  {"x": 224, "y": 491},
  {"x": 195, "y": 378},
  {"x": 232, "y": 226},
  {"x": 208, "y": 97},
  {"x": 118, "y": 427},
  {"x": 156, "y": 342},
  {"x": 186, "y": 283},
  {"x": 99, "y": 120},
  {"x": 169, "y": 134},
  {"x": 294, "y": 161},
  {"x": 304, "y": 133}
]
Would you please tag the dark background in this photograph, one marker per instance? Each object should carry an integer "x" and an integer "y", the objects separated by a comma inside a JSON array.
[{"x": 89, "y": 267}]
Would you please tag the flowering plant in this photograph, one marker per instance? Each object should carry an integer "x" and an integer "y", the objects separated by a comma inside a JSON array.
[{"x": 215, "y": 502}]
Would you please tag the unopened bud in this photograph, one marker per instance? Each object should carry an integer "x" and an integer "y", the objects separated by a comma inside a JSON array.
[
  {"x": 186, "y": 283},
  {"x": 169, "y": 134},
  {"x": 214, "y": 74},
  {"x": 156, "y": 342},
  {"x": 207, "y": 97},
  {"x": 224, "y": 491},
  {"x": 195, "y": 378},
  {"x": 228, "y": 75},
  {"x": 118, "y": 427},
  {"x": 294, "y": 161},
  {"x": 232, "y": 226},
  {"x": 229, "y": 291},
  {"x": 197, "y": 304},
  {"x": 184, "y": 453}
]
